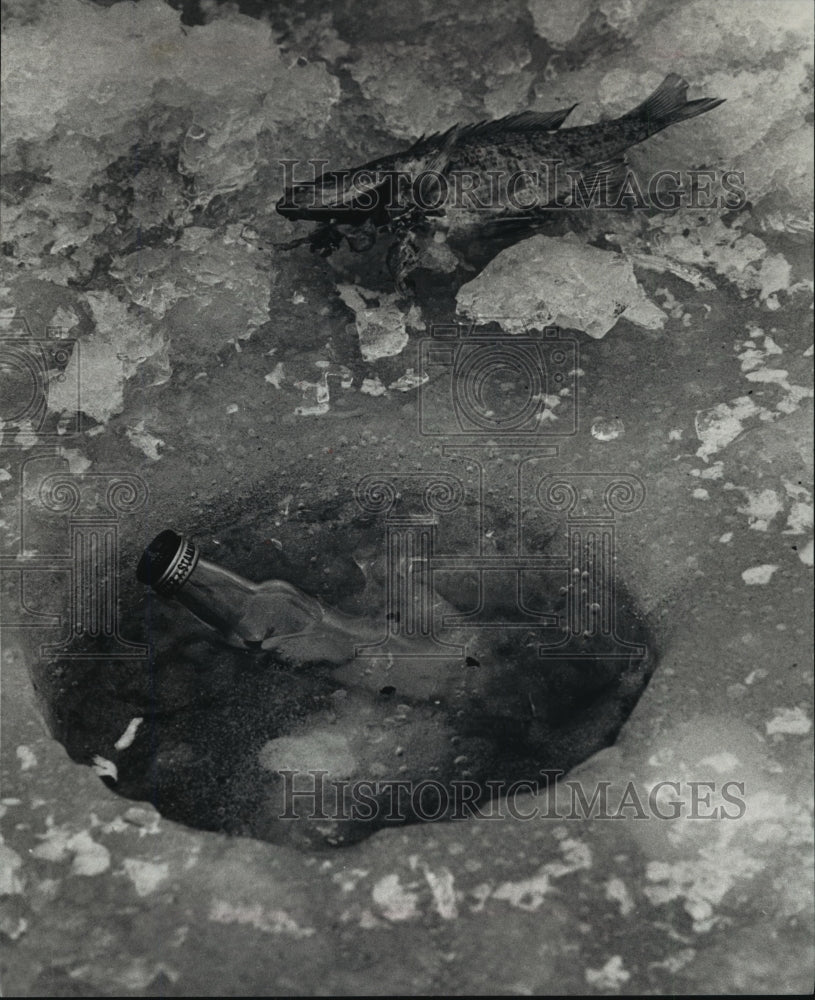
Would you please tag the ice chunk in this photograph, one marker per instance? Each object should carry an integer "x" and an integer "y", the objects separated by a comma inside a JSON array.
[
  {"x": 721, "y": 424},
  {"x": 558, "y": 281},
  {"x": 558, "y": 23},
  {"x": 758, "y": 575},
  {"x": 217, "y": 276},
  {"x": 380, "y": 326},
  {"x": 790, "y": 721},
  {"x": 129, "y": 95},
  {"x": 396, "y": 78},
  {"x": 112, "y": 81},
  {"x": 122, "y": 344},
  {"x": 607, "y": 428}
]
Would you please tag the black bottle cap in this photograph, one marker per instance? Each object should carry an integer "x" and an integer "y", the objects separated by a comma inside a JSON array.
[{"x": 167, "y": 562}]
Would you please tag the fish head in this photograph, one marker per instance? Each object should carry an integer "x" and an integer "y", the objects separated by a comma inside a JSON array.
[{"x": 335, "y": 194}]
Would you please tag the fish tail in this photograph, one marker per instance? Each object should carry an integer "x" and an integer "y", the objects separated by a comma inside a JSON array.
[{"x": 669, "y": 104}]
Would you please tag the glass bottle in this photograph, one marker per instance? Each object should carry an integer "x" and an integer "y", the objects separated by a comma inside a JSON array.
[
  {"x": 244, "y": 613},
  {"x": 269, "y": 616}
]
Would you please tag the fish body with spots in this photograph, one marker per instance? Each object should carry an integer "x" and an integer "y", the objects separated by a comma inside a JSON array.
[{"x": 521, "y": 165}]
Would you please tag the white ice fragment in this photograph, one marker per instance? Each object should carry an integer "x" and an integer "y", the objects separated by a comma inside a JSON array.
[
  {"x": 806, "y": 554},
  {"x": 410, "y": 380},
  {"x": 789, "y": 721},
  {"x": 607, "y": 428},
  {"x": 761, "y": 508},
  {"x": 715, "y": 471},
  {"x": 64, "y": 319},
  {"x": 558, "y": 281},
  {"x": 778, "y": 375},
  {"x": 325, "y": 749},
  {"x": 275, "y": 376},
  {"x": 741, "y": 258},
  {"x": 90, "y": 858},
  {"x": 721, "y": 424},
  {"x": 10, "y": 861},
  {"x": 526, "y": 894},
  {"x": 26, "y": 757},
  {"x": 77, "y": 462},
  {"x": 444, "y": 894},
  {"x": 547, "y": 411},
  {"x": 372, "y": 387},
  {"x": 617, "y": 892},
  {"x": 145, "y": 441},
  {"x": 394, "y": 900},
  {"x": 122, "y": 342},
  {"x": 127, "y": 737},
  {"x": 721, "y": 763},
  {"x": 750, "y": 359},
  {"x": 232, "y": 408},
  {"x": 611, "y": 977},
  {"x": 799, "y": 519},
  {"x": 774, "y": 276},
  {"x": 759, "y": 575},
  {"x": 380, "y": 326},
  {"x": 146, "y": 876},
  {"x": 105, "y": 768},
  {"x": 271, "y": 921},
  {"x": 146, "y": 820},
  {"x": 320, "y": 392},
  {"x": 726, "y": 537},
  {"x": 794, "y": 489},
  {"x": 558, "y": 25}
]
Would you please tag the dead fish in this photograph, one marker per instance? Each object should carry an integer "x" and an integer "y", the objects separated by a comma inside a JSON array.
[{"x": 520, "y": 165}]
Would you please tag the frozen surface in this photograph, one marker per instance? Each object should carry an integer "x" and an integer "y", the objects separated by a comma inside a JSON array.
[{"x": 141, "y": 165}]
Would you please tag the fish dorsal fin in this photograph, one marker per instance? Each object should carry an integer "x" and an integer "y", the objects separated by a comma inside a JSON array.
[
  {"x": 524, "y": 121},
  {"x": 422, "y": 144},
  {"x": 439, "y": 159}
]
